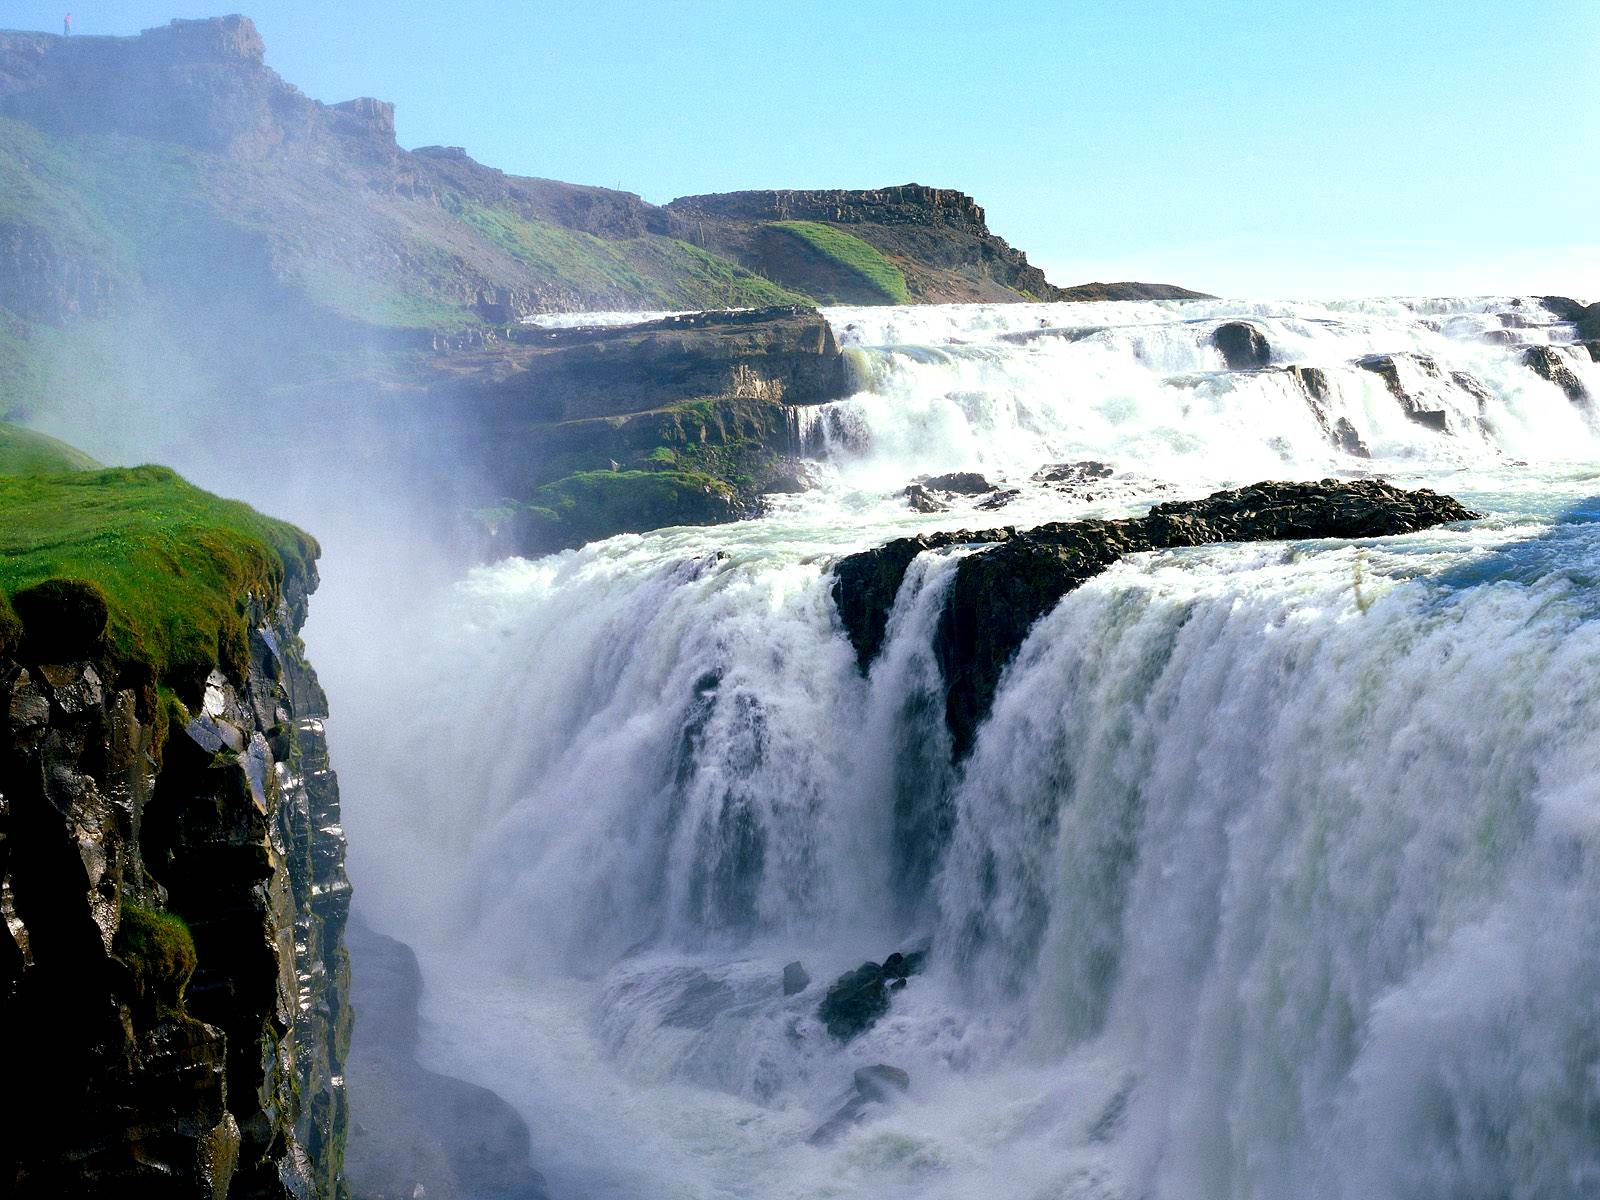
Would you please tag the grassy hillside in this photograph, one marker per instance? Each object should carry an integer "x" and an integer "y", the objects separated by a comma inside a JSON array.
[
  {"x": 853, "y": 255},
  {"x": 24, "y": 452},
  {"x": 159, "y": 568}
]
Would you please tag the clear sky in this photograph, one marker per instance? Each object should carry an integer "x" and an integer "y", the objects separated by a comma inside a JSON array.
[{"x": 1336, "y": 147}]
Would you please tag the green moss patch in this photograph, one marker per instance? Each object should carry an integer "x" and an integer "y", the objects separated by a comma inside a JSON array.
[
  {"x": 854, "y": 255},
  {"x": 591, "y": 505},
  {"x": 158, "y": 950},
  {"x": 174, "y": 566}
]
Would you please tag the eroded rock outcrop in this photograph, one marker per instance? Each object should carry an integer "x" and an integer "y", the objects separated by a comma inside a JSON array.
[
  {"x": 999, "y": 593},
  {"x": 1549, "y": 363},
  {"x": 173, "y": 982}
]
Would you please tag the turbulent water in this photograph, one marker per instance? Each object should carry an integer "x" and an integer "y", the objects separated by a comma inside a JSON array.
[{"x": 1274, "y": 873}]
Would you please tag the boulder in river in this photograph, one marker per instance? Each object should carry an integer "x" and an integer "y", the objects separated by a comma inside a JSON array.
[
  {"x": 1243, "y": 346},
  {"x": 958, "y": 483},
  {"x": 795, "y": 979},
  {"x": 924, "y": 501},
  {"x": 857, "y": 999},
  {"x": 879, "y": 1084}
]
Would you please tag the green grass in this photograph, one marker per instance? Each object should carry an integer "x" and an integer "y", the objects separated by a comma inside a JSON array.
[
  {"x": 174, "y": 565},
  {"x": 854, "y": 255},
  {"x": 24, "y": 452},
  {"x": 349, "y": 293},
  {"x": 591, "y": 505},
  {"x": 649, "y": 271},
  {"x": 158, "y": 950}
]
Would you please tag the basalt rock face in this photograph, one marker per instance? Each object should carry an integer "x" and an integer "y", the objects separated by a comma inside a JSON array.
[
  {"x": 999, "y": 593},
  {"x": 784, "y": 354},
  {"x": 937, "y": 238},
  {"x": 233, "y": 1086},
  {"x": 690, "y": 419}
]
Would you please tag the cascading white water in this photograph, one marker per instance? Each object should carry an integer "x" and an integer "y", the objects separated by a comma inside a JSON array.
[{"x": 1274, "y": 873}]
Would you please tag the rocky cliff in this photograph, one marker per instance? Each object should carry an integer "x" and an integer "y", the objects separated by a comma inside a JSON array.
[
  {"x": 934, "y": 240},
  {"x": 174, "y": 184},
  {"x": 1001, "y": 591},
  {"x": 174, "y": 990}
]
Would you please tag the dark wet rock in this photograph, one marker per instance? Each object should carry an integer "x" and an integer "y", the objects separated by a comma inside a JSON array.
[
  {"x": 786, "y": 477},
  {"x": 1549, "y": 363},
  {"x": 414, "y": 1131},
  {"x": 1472, "y": 387},
  {"x": 1347, "y": 438},
  {"x": 999, "y": 499},
  {"x": 188, "y": 1060},
  {"x": 958, "y": 483},
  {"x": 1500, "y": 337},
  {"x": 1593, "y": 347},
  {"x": 874, "y": 1086},
  {"x": 999, "y": 593},
  {"x": 1585, "y": 317},
  {"x": 1318, "y": 391},
  {"x": 1243, "y": 346},
  {"x": 857, "y": 999},
  {"x": 1073, "y": 474},
  {"x": 1386, "y": 367},
  {"x": 795, "y": 979},
  {"x": 779, "y": 354},
  {"x": 924, "y": 501}
]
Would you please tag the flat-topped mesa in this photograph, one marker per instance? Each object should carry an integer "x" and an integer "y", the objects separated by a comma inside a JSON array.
[
  {"x": 903, "y": 244},
  {"x": 998, "y": 594},
  {"x": 905, "y": 204}
]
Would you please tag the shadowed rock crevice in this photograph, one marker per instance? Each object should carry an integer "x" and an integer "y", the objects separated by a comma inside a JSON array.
[{"x": 1000, "y": 592}]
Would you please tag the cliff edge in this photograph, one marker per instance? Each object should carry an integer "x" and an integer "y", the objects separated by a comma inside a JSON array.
[{"x": 173, "y": 980}]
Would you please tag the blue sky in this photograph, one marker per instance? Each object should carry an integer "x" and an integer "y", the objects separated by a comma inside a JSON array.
[{"x": 1344, "y": 147}]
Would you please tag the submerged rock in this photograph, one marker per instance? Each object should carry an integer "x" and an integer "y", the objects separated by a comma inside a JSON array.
[
  {"x": 795, "y": 979},
  {"x": 879, "y": 1084},
  {"x": 998, "y": 594},
  {"x": 999, "y": 499},
  {"x": 857, "y": 999},
  {"x": 1243, "y": 346},
  {"x": 1073, "y": 474}
]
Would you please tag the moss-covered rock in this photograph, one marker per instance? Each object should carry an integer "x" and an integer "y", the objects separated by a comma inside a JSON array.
[
  {"x": 591, "y": 505},
  {"x": 158, "y": 950}
]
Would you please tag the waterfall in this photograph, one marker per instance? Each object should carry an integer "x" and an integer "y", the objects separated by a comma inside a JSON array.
[{"x": 1273, "y": 874}]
